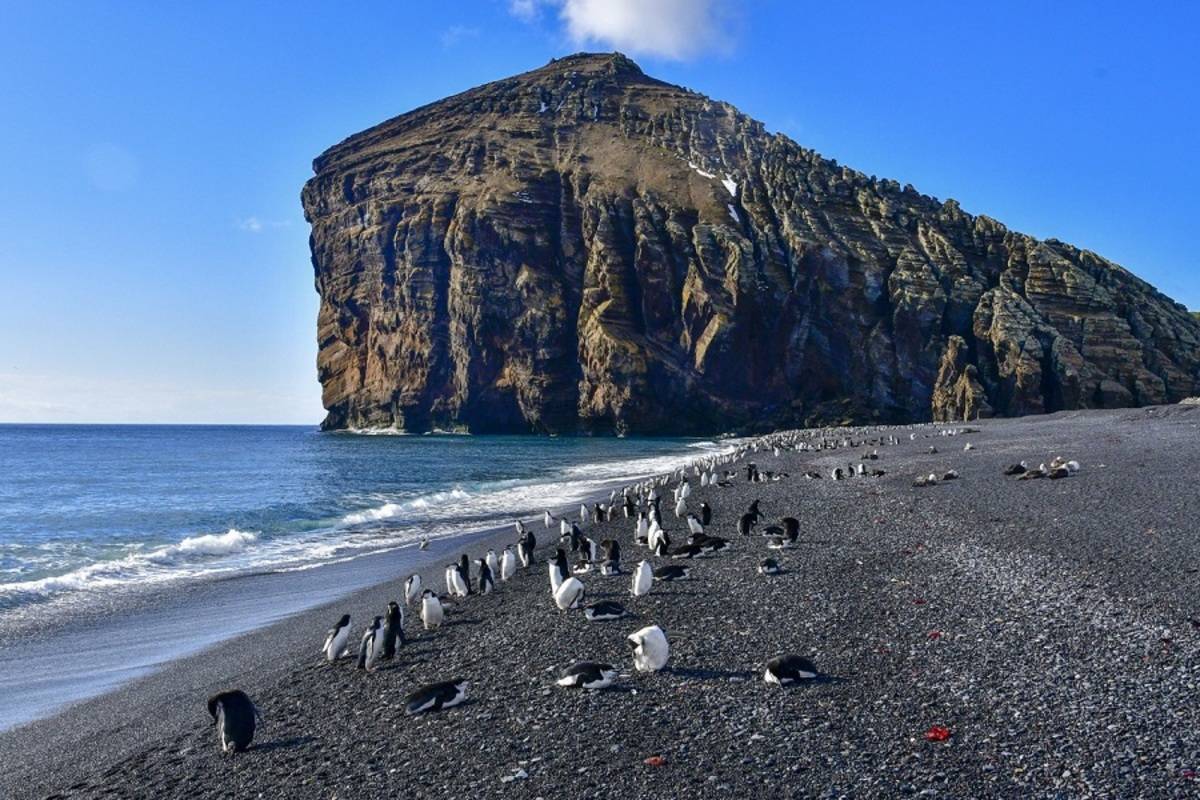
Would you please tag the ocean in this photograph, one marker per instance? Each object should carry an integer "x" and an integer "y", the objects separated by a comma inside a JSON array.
[{"x": 110, "y": 527}]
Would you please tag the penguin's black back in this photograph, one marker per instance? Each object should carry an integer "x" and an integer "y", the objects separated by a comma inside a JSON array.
[{"x": 234, "y": 713}]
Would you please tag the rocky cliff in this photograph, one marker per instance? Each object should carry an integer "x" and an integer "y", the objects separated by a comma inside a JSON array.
[{"x": 583, "y": 248}]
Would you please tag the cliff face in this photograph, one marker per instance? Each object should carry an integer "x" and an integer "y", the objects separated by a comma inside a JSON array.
[{"x": 584, "y": 248}]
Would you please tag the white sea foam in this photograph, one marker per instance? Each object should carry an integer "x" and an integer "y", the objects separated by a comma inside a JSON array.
[{"x": 390, "y": 524}]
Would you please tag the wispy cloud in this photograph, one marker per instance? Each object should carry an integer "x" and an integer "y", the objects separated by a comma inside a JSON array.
[
  {"x": 674, "y": 29},
  {"x": 457, "y": 33},
  {"x": 254, "y": 224}
]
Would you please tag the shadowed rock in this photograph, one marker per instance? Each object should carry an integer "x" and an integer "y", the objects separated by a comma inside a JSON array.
[{"x": 583, "y": 248}]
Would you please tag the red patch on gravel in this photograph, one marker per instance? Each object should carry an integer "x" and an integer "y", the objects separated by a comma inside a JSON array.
[
  {"x": 937, "y": 733},
  {"x": 655, "y": 761},
  {"x": 935, "y": 635},
  {"x": 918, "y": 601}
]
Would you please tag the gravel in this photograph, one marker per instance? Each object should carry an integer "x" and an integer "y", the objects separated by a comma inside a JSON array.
[{"x": 1051, "y": 627}]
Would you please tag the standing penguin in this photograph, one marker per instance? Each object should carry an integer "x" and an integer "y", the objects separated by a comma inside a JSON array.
[
  {"x": 508, "y": 564},
  {"x": 493, "y": 562},
  {"x": 393, "y": 630},
  {"x": 746, "y": 523},
  {"x": 370, "y": 646},
  {"x": 455, "y": 586},
  {"x": 612, "y": 557},
  {"x": 559, "y": 570},
  {"x": 705, "y": 514},
  {"x": 642, "y": 532},
  {"x": 486, "y": 582},
  {"x": 234, "y": 714},
  {"x": 432, "y": 612},
  {"x": 681, "y": 508},
  {"x": 336, "y": 638},
  {"x": 694, "y": 524},
  {"x": 464, "y": 569},
  {"x": 525, "y": 548},
  {"x": 549, "y": 520},
  {"x": 412, "y": 589},
  {"x": 643, "y": 579},
  {"x": 650, "y": 649}
]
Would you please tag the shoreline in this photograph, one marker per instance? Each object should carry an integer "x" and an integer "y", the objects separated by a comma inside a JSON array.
[
  {"x": 992, "y": 561},
  {"x": 130, "y": 634}
]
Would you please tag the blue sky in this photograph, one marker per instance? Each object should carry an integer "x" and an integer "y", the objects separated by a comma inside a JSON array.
[{"x": 153, "y": 254}]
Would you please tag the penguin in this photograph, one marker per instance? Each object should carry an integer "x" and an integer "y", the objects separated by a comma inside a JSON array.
[
  {"x": 559, "y": 570},
  {"x": 681, "y": 508},
  {"x": 643, "y": 578},
  {"x": 335, "y": 640},
  {"x": 234, "y": 714},
  {"x": 705, "y": 514},
  {"x": 611, "y": 565},
  {"x": 436, "y": 696},
  {"x": 662, "y": 543},
  {"x": 412, "y": 589},
  {"x": 603, "y": 611},
  {"x": 584, "y": 514},
  {"x": 587, "y": 675},
  {"x": 520, "y": 528},
  {"x": 424, "y": 545},
  {"x": 769, "y": 566},
  {"x": 650, "y": 649},
  {"x": 642, "y": 532},
  {"x": 549, "y": 520},
  {"x": 508, "y": 564},
  {"x": 629, "y": 507},
  {"x": 1017, "y": 469},
  {"x": 950, "y": 475},
  {"x": 713, "y": 545},
  {"x": 791, "y": 528},
  {"x": 393, "y": 630},
  {"x": 569, "y": 595},
  {"x": 746, "y": 523},
  {"x": 455, "y": 586},
  {"x": 464, "y": 569},
  {"x": 687, "y": 551},
  {"x": 589, "y": 548},
  {"x": 432, "y": 612},
  {"x": 789, "y": 669},
  {"x": 525, "y": 548},
  {"x": 753, "y": 509},
  {"x": 685, "y": 490},
  {"x": 694, "y": 524},
  {"x": 370, "y": 646},
  {"x": 493, "y": 562},
  {"x": 486, "y": 582},
  {"x": 671, "y": 572}
]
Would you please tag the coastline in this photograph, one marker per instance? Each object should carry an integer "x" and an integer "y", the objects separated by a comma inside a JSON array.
[{"x": 1049, "y": 598}]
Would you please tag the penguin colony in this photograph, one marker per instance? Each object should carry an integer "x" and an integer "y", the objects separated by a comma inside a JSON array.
[{"x": 578, "y": 559}]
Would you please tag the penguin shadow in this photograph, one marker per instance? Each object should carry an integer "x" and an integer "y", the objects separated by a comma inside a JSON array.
[{"x": 283, "y": 744}]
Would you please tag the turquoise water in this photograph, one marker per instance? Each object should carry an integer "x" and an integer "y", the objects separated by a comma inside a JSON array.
[{"x": 89, "y": 511}]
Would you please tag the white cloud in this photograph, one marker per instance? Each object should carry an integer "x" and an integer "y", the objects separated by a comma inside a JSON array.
[
  {"x": 675, "y": 29},
  {"x": 457, "y": 33},
  {"x": 253, "y": 224},
  {"x": 526, "y": 10}
]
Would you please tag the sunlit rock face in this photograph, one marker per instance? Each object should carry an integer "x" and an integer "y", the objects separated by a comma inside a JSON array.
[{"x": 583, "y": 248}]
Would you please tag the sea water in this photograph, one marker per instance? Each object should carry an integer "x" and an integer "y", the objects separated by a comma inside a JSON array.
[{"x": 93, "y": 517}]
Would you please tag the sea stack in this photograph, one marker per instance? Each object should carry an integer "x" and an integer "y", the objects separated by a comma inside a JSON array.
[{"x": 584, "y": 248}]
